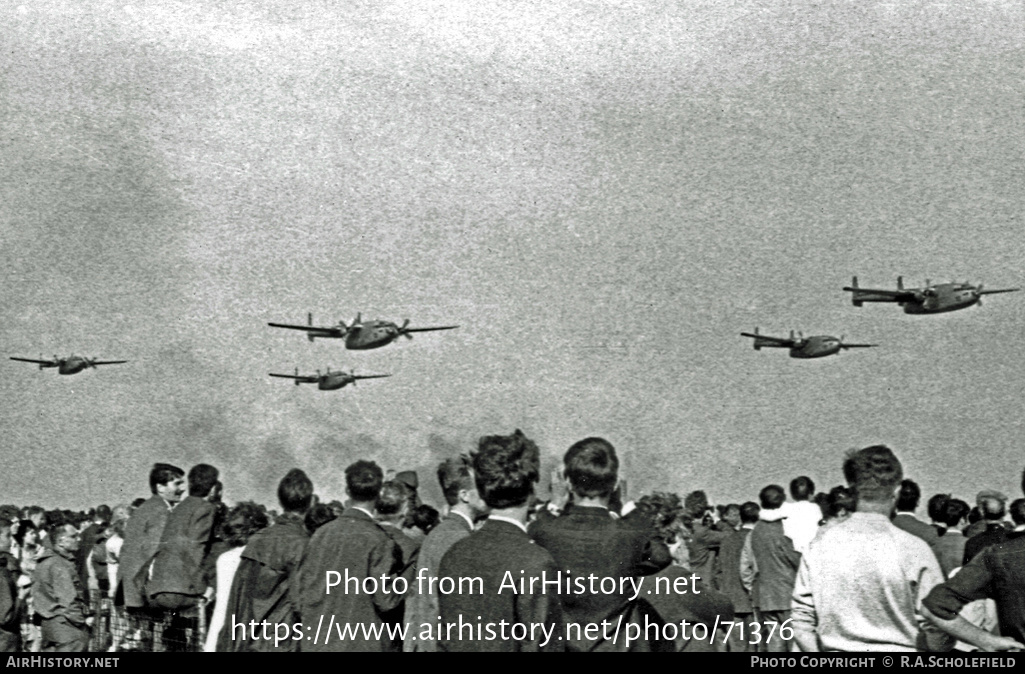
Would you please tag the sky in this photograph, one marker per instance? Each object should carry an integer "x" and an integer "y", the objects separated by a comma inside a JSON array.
[{"x": 602, "y": 195}]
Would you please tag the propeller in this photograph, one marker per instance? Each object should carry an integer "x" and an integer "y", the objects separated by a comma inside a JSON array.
[
  {"x": 978, "y": 294},
  {"x": 402, "y": 330}
]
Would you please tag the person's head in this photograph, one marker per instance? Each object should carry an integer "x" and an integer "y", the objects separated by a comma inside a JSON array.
[
  {"x": 425, "y": 518},
  {"x": 802, "y": 488},
  {"x": 749, "y": 512},
  {"x": 667, "y": 517},
  {"x": 65, "y": 537},
  {"x": 37, "y": 516},
  {"x": 102, "y": 514},
  {"x": 202, "y": 480},
  {"x": 1017, "y": 510},
  {"x": 457, "y": 484},
  {"x": 937, "y": 506},
  {"x": 505, "y": 469},
  {"x": 908, "y": 496},
  {"x": 974, "y": 515},
  {"x": 167, "y": 482},
  {"x": 392, "y": 502},
  {"x": 244, "y": 520},
  {"x": 991, "y": 505},
  {"x": 840, "y": 503},
  {"x": 696, "y": 505},
  {"x": 318, "y": 516},
  {"x": 295, "y": 492},
  {"x": 772, "y": 497},
  {"x": 592, "y": 468},
  {"x": 874, "y": 473},
  {"x": 363, "y": 480},
  {"x": 954, "y": 513},
  {"x": 731, "y": 515},
  {"x": 27, "y": 534}
]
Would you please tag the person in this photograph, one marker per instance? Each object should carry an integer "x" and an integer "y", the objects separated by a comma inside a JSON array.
[
  {"x": 10, "y": 602},
  {"x": 263, "y": 586},
  {"x": 586, "y": 541},
  {"x": 500, "y": 553},
  {"x": 176, "y": 580},
  {"x": 768, "y": 566},
  {"x": 949, "y": 548},
  {"x": 391, "y": 509},
  {"x": 986, "y": 501},
  {"x": 997, "y": 572},
  {"x": 355, "y": 547},
  {"x": 838, "y": 505},
  {"x": 465, "y": 507},
  {"x": 143, "y": 532},
  {"x": 97, "y": 525},
  {"x": 705, "y": 536},
  {"x": 937, "y": 508},
  {"x": 730, "y": 515},
  {"x": 318, "y": 516},
  {"x": 907, "y": 503},
  {"x": 729, "y": 582},
  {"x": 700, "y": 603},
  {"x": 119, "y": 625},
  {"x": 861, "y": 583},
  {"x": 58, "y": 594},
  {"x": 991, "y": 507},
  {"x": 424, "y": 519},
  {"x": 242, "y": 521},
  {"x": 801, "y": 516}
]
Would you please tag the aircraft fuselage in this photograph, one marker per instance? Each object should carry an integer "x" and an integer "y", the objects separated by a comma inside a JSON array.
[
  {"x": 372, "y": 335},
  {"x": 942, "y": 298},
  {"x": 333, "y": 381},
  {"x": 71, "y": 365},
  {"x": 816, "y": 347}
]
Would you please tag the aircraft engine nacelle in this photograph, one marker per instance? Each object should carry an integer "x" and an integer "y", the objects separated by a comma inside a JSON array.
[{"x": 856, "y": 302}]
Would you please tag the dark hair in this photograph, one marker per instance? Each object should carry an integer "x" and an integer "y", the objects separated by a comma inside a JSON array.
[
  {"x": 202, "y": 478},
  {"x": 244, "y": 520},
  {"x": 1018, "y": 511},
  {"x": 295, "y": 491},
  {"x": 363, "y": 479},
  {"x": 954, "y": 510},
  {"x": 23, "y": 528},
  {"x": 665, "y": 513},
  {"x": 802, "y": 488},
  {"x": 454, "y": 475},
  {"x": 991, "y": 508},
  {"x": 873, "y": 473},
  {"x": 138, "y": 502},
  {"x": 840, "y": 498},
  {"x": 696, "y": 503},
  {"x": 103, "y": 513},
  {"x": 505, "y": 469},
  {"x": 974, "y": 515},
  {"x": 749, "y": 512},
  {"x": 909, "y": 496},
  {"x": 393, "y": 496},
  {"x": 318, "y": 516},
  {"x": 592, "y": 467},
  {"x": 772, "y": 497},
  {"x": 162, "y": 473},
  {"x": 425, "y": 518},
  {"x": 937, "y": 506}
]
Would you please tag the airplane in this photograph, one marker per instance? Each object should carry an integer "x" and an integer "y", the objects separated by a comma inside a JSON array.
[
  {"x": 330, "y": 381},
  {"x": 360, "y": 335},
  {"x": 932, "y": 299},
  {"x": 800, "y": 346},
  {"x": 70, "y": 365}
]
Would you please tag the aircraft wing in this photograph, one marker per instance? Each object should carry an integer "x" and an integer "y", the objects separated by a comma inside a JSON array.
[
  {"x": 32, "y": 360},
  {"x": 107, "y": 362},
  {"x": 369, "y": 376},
  {"x": 896, "y": 295},
  {"x": 856, "y": 346},
  {"x": 301, "y": 377},
  {"x": 1001, "y": 290},
  {"x": 781, "y": 341},
  {"x": 442, "y": 327},
  {"x": 310, "y": 328}
]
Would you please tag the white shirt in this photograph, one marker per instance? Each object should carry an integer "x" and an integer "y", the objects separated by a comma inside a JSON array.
[
  {"x": 227, "y": 564},
  {"x": 801, "y": 523}
]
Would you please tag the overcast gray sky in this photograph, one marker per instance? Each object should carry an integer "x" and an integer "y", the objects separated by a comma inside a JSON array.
[{"x": 602, "y": 194}]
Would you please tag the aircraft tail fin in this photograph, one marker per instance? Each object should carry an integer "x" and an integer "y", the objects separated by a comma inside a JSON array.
[{"x": 900, "y": 283}]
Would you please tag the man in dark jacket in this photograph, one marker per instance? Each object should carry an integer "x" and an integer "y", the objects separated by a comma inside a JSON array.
[
  {"x": 728, "y": 563},
  {"x": 177, "y": 579},
  {"x": 503, "y": 611},
  {"x": 346, "y": 579},
  {"x": 10, "y": 614},
  {"x": 586, "y": 540},
  {"x": 261, "y": 589},
  {"x": 58, "y": 596}
]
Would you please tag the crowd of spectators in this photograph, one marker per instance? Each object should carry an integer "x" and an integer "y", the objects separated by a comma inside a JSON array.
[{"x": 851, "y": 569}]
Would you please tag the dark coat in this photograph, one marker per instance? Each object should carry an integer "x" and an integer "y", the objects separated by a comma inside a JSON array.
[
  {"x": 916, "y": 527},
  {"x": 260, "y": 589},
  {"x": 994, "y": 533},
  {"x": 497, "y": 549},
  {"x": 422, "y": 602},
  {"x": 354, "y": 544},
  {"x": 675, "y": 602},
  {"x": 57, "y": 588},
  {"x": 777, "y": 566},
  {"x": 728, "y": 571},
  {"x": 142, "y": 539},
  {"x": 588, "y": 540},
  {"x": 184, "y": 544},
  {"x": 10, "y": 606},
  {"x": 410, "y": 548}
]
